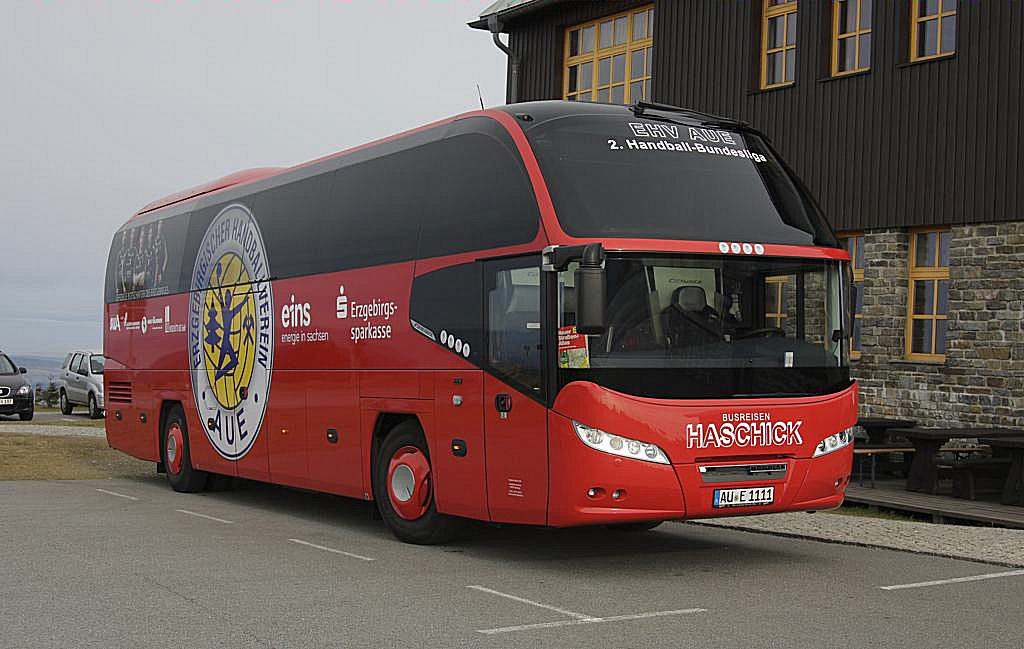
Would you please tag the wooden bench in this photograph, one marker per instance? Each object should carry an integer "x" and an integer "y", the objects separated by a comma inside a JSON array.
[
  {"x": 968, "y": 473},
  {"x": 1013, "y": 490},
  {"x": 928, "y": 442},
  {"x": 874, "y": 451}
]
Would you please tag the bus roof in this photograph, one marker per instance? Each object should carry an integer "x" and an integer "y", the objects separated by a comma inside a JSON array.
[
  {"x": 539, "y": 111},
  {"x": 237, "y": 178}
]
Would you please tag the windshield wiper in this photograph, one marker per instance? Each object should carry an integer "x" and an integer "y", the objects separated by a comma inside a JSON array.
[{"x": 640, "y": 109}]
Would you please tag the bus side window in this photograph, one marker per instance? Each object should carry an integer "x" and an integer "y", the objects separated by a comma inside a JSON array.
[
  {"x": 513, "y": 321},
  {"x": 447, "y": 304}
]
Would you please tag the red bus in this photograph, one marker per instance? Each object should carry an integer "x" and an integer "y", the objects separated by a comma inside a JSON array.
[{"x": 549, "y": 313}]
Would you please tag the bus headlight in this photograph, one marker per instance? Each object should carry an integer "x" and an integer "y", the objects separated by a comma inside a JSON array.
[
  {"x": 834, "y": 442},
  {"x": 599, "y": 440}
]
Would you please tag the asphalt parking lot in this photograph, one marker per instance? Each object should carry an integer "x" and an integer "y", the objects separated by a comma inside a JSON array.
[{"x": 129, "y": 563}]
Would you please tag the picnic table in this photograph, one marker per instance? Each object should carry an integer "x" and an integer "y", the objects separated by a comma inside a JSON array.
[
  {"x": 877, "y": 428},
  {"x": 873, "y": 452},
  {"x": 924, "y": 469},
  {"x": 1013, "y": 490}
]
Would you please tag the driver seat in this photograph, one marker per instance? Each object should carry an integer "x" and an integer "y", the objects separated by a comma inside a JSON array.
[{"x": 688, "y": 320}]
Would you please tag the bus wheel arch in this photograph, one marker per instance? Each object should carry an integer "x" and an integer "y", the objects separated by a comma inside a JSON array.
[
  {"x": 386, "y": 422},
  {"x": 402, "y": 458},
  {"x": 165, "y": 407},
  {"x": 174, "y": 450}
]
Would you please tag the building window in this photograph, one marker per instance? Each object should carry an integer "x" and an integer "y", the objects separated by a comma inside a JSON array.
[
  {"x": 932, "y": 28},
  {"x": 609, "y": 60},
  {"x": 928, "y": 299},
  {"x": 778, "y": 43},
  {"x": 855, "y": 246},
  {"x": 774, "y": 304},
  {"x": 851, "y": 36}
]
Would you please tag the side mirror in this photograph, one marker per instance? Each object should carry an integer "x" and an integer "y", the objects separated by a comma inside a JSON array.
[
  {"x": 590, "y": 291},
  {"x": 23, "y": 370}
]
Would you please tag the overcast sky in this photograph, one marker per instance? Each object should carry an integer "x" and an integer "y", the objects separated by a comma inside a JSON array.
[{"x": 105, "y": 106}]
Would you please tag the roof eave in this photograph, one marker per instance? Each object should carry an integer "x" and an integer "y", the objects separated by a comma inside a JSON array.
[{"x": 505, "y": 10}]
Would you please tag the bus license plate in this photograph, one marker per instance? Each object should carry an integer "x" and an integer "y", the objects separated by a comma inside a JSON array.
[
  {"x": 745, "y": 497},
  {"x": 6, "y": 402}
]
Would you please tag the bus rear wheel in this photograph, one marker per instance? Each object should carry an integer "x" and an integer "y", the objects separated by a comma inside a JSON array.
[
  {"x": 175, "y": 452},
  {"x": 403, "y": 486}
]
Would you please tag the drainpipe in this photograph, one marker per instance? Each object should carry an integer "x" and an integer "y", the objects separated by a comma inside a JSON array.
[{"x": 513, "y": 60}]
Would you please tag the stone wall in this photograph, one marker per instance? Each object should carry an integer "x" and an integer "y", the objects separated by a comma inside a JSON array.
[
  {"x": 814, "y": 307},
  {"x": 981, "y": 382}
]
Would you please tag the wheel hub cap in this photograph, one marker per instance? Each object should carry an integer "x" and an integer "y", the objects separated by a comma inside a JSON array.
[
  {"x": 403, "y": 483},
  {"x": 409, "y": 483},
  {"x": 173, "y": 451}
]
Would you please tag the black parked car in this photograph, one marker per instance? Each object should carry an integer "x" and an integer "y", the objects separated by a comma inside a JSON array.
[{"x": 16, "y": 395}]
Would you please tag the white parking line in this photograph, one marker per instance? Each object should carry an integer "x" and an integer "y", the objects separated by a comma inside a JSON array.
[
  {"x": 580, "y": 618},
  {"x": 114, "y": 493},
  {"x": 326, "y": 549},
  {"x": 955, "y": 580},
  {"x": 211, "y": 518},
  {"x": 593, "y": 620}
]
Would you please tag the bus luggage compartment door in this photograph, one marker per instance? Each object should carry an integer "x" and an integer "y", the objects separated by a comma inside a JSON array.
[
  {"x": 286, "y": 440},
  {"x": 459, "y": 461},
  {"x": 332, "y": 433}
]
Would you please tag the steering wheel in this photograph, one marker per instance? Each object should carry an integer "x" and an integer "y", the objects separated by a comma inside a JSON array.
[{"x": 765, "y": 332}]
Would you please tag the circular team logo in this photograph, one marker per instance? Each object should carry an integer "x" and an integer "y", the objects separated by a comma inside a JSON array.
[{"x": 231, "y": 351}]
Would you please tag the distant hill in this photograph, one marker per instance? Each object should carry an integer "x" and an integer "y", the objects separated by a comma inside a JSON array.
[{"x": 40, "y": 368}]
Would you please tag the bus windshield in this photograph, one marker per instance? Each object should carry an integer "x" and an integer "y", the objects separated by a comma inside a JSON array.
[
  {"x": 613, "y": 176},
  {"x": 702, "y": 326}
]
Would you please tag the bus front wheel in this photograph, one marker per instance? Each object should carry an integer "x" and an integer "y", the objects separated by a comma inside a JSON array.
[
  {"x": 403, "y": 486},
  {"x": 176, "y": 456}
]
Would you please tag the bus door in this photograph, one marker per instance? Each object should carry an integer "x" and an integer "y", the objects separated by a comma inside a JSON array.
[{"x": 515, "y": 417}]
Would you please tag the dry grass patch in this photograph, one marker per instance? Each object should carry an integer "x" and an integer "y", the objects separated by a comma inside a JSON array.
[
  {"x": 40, "y": 457},
  {"x": 71, "y": 420}
]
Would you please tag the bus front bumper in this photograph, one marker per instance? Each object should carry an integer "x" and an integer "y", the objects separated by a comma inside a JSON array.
[{"x": 588, "y": 487}]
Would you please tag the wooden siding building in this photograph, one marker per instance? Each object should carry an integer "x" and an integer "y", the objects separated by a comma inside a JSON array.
[{"x": 902, "y": 116}]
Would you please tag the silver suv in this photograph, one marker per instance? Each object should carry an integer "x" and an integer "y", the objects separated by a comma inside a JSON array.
[{"x": 81, "y": 383}]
